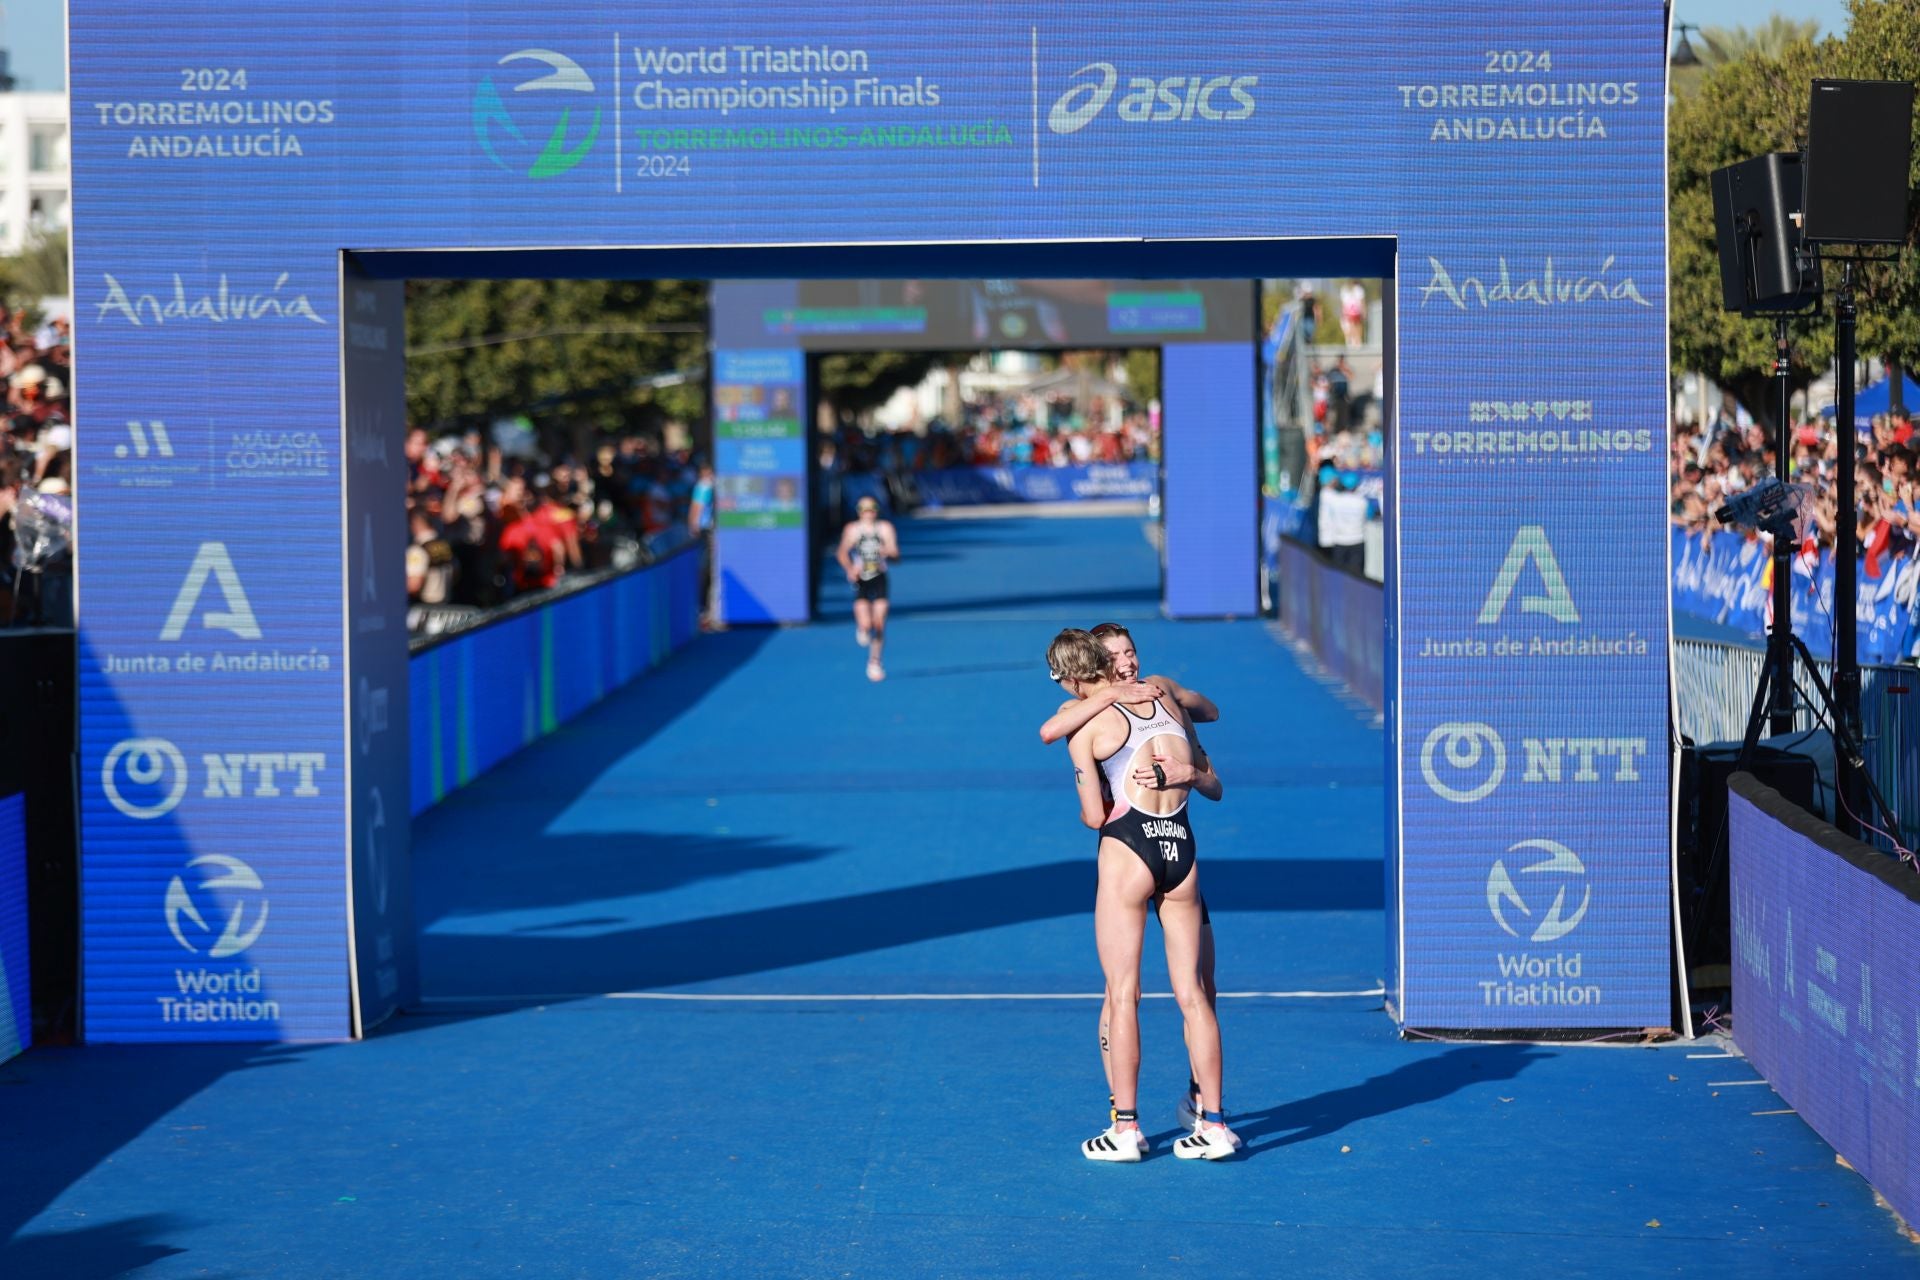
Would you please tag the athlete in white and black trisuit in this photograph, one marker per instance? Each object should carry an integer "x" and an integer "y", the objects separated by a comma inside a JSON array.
[
  {"x": 866, "y": 544},
  {"x": 1200, "y": 709},
  {"x": 1146, "y": 858}
]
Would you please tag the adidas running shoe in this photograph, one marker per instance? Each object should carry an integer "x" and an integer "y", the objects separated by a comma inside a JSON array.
[
  {"x": 1188, "y": 1114},
  {"x": 1208, "y": 1142},
  {"x": 1122, "y": 1145}
]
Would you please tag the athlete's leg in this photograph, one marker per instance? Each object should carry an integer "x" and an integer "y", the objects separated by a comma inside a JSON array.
[
  {"x": 1119, "y": 926},
  {"x": 1180, "y": 927},
  {"x": 1213, "y": 993},
  {"x": 879, "y": 640},
  {"x": 863, "y": 619}
]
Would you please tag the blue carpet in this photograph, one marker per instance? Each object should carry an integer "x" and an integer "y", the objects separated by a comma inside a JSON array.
[{"x": 757, "y": 819}]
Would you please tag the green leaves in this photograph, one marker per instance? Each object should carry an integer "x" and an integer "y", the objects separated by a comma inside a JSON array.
[{"x": 1743, "y": 105}]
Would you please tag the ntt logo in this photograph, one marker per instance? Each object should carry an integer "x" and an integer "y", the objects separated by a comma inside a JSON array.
[{"x": 1150, "y": 100}]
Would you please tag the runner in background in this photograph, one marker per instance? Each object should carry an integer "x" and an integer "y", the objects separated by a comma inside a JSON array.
[{"x": 866, "y": 544}]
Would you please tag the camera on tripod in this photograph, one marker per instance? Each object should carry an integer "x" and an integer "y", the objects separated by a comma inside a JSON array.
[{"x": 1770, "y": 506}]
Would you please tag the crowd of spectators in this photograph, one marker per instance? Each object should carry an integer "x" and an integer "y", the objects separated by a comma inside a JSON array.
[
  {"x": 487, "y": 522},
  {"x": 36, "y": 472},
  {"x": 1730, "y": 452},
  {"x": 1019, "y": 430}
]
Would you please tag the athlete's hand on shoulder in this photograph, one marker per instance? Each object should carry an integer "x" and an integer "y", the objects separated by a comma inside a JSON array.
[
  {"x": 1180, "y": 773},
  {"x": 1135, "y": 692}
]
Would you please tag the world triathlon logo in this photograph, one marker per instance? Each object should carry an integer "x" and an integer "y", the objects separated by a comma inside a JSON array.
[{"x": 507, "y": 135}]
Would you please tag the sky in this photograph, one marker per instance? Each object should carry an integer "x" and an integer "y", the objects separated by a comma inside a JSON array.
[{"x": 33, "y": 30}]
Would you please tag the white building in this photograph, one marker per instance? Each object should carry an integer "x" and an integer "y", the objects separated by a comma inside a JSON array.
[{"x": 34, "y": 176}]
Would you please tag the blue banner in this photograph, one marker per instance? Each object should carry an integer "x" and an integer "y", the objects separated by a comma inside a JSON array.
[
  {"x": 1726, "y": 579},
  {"x": 16, "y": 989},
  {"x": 1826, "y": 942},
  {"x": 226, "y": 167},
  {"x": 977, "y": 486},
  {"x": 481, "y": 695}
]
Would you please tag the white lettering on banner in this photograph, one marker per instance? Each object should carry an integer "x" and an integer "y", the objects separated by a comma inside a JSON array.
[
  {"x": 1563, "y": 111},
  {"x": 1152, "y": 99},
  {"x": 376, "y": 852},
  {"x": 212, "y": 561},
  {"x": 1544, "y": 290},
  {"x": 220, "y": 124},
  {"x": 159, "y": 770},
  {"x": 225, "y": 305},
  {"x": 1530, "y": 544},
  {"x": 146, "y": 459},
  {"x": 1463, "y": 744},
  {"x": 371, "y": 711},
  {"x": 1548, "y": 441},
  {"x": 1501, "y": 890},
  {"x": 256, "y": 455},
  {"x": 232, "y": 875},
  {"x": 1529, "y": 410}
]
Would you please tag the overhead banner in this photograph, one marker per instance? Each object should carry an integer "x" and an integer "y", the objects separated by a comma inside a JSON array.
[{"x": 221, "y": 166}]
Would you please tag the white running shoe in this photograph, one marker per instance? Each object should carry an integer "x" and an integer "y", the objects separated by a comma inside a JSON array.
[
  {"x": 875, "y": 672},
  {"x": 1125, "y": 1146},
  {"x": 860, "y": 637},
  {"x": 1189, "y": 1117},
  {"x": 1208, "y": 1142}
]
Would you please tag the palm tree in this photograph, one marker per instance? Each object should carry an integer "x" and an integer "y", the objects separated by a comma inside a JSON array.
[{"x": 1715, "y": 47}]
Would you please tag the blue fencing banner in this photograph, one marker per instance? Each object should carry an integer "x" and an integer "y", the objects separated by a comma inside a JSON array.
[
  {"x": 1826, "y": 941},
  {"x": 479, "y": 696},
  {"x": 16, "y": 989},
  {"x": 976, "y": 486},
  {"x": 1725, "y": 578},
  {"x": 226, "y": 167}
]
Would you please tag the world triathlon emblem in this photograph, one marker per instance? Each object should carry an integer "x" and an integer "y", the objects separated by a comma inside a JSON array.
[{"x": 534, "y": 137}]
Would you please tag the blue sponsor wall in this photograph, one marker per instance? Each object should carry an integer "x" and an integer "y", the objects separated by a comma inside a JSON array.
[
  {"x": 1726, "y": 579},
  {"x": 224, "y": 159},
  {"x": 16, "y": 991},
  {"x": 1826, "y": 942},
  {"x": 479, "y": 696},
  {"x": 975, "y": 486}
]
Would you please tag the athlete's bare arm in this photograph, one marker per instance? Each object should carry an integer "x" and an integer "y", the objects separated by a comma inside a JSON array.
[
  {"x": 1081, "y": 748},
  {"x": 1196, "y": 773},
  {"x": 1195, "y": 704},
  {"x": 889, "y": 541},
  {"x": 1076, "y": 712}
]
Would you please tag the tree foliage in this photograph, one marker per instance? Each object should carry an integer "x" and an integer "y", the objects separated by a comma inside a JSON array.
[
  {"x": 37, "y": 271},
  {"x": 570, "y": 354},
  {"x": 1747, "y": 106}
]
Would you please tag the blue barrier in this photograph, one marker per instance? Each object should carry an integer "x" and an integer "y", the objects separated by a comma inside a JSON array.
[
  {"x": 1826, "y": 940},
  {"x": 972, "y": 486},
  {"x": 1340, "y": 616},
  {"x": 480, "y": 695},
  {"x": 1726, "y": 579},
  {"x": 16, "y": 1004}
]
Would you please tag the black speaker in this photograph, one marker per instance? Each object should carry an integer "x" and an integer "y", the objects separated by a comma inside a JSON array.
[
  {"x": 1763, "y": 265},
  {"x": 1859, "y": 145}
]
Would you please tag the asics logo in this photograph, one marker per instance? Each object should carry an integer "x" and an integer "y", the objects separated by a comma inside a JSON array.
[{"x": 1150, "y": 99}]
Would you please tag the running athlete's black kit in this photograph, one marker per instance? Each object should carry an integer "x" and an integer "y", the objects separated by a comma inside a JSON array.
[
  {"x": 870, "y": 555},
  {"x": 1163, "y": 841}
]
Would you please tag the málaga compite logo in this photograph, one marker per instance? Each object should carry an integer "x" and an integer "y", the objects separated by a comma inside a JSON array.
[{"x": 508, "y": 134}]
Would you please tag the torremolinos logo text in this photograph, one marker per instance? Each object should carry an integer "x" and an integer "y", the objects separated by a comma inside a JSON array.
[
  {"x": 1550, "y": 288},
  {"x": 1151, "y": 99},
  {"x": 223, "y": 303}
]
